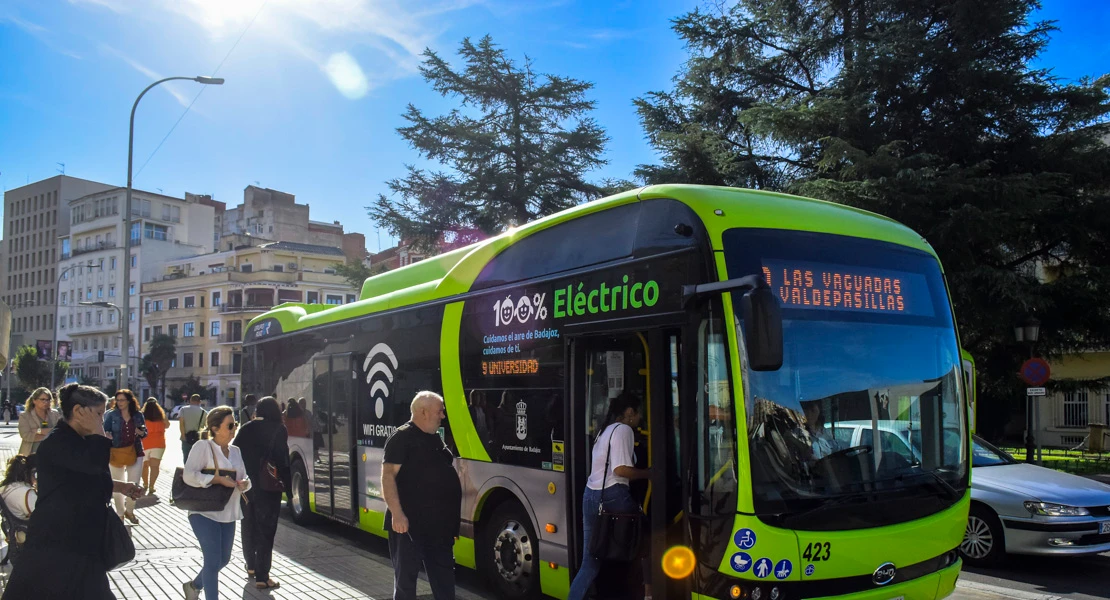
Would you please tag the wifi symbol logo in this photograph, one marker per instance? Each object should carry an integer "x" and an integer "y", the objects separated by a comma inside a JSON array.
[{"x": 379, "y": 367}]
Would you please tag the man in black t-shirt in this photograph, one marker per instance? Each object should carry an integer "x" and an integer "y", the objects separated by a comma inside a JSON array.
[{"x": 423, "y": 496}]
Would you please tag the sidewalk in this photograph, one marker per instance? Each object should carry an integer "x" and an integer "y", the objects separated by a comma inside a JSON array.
[{"x": 307, "y": 563}]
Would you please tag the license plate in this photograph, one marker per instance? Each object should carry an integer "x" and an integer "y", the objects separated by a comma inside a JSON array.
[{"x": 1104, "y": 527}]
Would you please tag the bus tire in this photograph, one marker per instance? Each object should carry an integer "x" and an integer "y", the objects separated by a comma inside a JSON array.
[
  {"x": 984, "y": 543},
  {"x": 298, "y": 496},
  {"x": 508, "y": 553}
]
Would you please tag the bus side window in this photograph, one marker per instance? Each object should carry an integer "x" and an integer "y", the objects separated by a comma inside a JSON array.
[{"x": 717, "y": 428}]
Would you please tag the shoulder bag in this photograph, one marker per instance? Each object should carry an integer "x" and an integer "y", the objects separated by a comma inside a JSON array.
[
  {"x": 269, "y": 479},
  {"x": 192, "y": 437},
  {"x": 615, "y": 536},
  {"x": 118, "y": 547},
  {"x": 210, "y": 499}
]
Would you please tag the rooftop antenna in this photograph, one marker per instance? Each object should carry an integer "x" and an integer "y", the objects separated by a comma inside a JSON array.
[
  {"x": 63, "y": 169},
  {"x": 159, "y": 190}
]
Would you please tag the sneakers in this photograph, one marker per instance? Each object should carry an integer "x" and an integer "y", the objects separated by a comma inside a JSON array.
[{"x": 191, "y": 591}]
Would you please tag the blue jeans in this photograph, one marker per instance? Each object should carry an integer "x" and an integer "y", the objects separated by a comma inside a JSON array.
[
  {"x": 617, "y": 498},
  {"x": 215, "y": 544}
]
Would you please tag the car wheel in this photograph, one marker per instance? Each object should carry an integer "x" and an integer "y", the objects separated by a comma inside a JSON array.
[
  {"x": 298, "y": 497},
  {"x": 984, "y": 542},
  {"x": 508, "y": 555}
]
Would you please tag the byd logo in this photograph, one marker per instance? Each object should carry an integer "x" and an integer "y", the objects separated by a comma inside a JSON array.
[{"x": 884, "y": 574}]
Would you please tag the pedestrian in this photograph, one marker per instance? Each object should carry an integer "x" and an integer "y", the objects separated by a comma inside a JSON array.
[
  {"x": 264, "y": 443},
  {"x": 423, "y": 495},
  {"x": 5, "y": 409},
  {"x": 246, "y": 414},
  {"x": 154, "y": 444},
  {"x": 37, "y": 420},
  {"x": 612, "y": 467},
  {"x": 215, "y": 530},
  {"x": 17, "y": 501},
  {"x": 63, "y": 558},
  {"x": 127, "y": 427},
  {"x": 190, "y": 420},
  {"x": 295, "y": 423}
]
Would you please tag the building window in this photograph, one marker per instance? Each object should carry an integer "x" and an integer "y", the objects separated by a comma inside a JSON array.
[
  {"x": 99, "y": 291},
  {"x": 157, "y": 330},
  {"x": 314, "y": 297},
  {"x": 156, "y": 305},
  {"x": 190, "y": 301},
  {"x": 279, "y": 268},
  {"x": 215, "y": 299},
  {"x": 131, "y": 315},
  {"x": 350, "y": 298},
  {"x": 88, "y": 294},
  {"x": 215, "y": 359},
  {"x": 112, "y": 317},
  {"x": 134, "y": 260},
  {"x": 156, "y": 232},
  {"x": 333, "y": 299},
  {"x": 172, "y": 330},
  {"x": 112, "y": 263},
  {"x": 246, "y": 268},
  {"x": 99, "y": 317},
  {"x": 187, "y": 359},
  {"x": 173, "y": 303},
  {"x": 131, "y": 291},
  {"x": 189, "y": 329},
  {"x": 111, "y": 291},
  {"x": 96, "y": 343},
  {"x": 215, "y": 328},
  {"x": 146, "y": 334}
]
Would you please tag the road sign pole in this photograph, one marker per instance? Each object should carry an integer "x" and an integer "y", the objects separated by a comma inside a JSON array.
[{"x": 1030, "y": 443}]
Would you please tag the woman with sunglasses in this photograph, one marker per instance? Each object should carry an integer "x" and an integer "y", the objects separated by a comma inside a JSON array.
[
  {"x": 37, "y": 420},
  {"x": 215, "y": 530}
]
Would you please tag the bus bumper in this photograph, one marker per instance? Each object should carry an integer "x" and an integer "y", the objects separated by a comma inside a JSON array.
[{"x": 934, "y": 586}]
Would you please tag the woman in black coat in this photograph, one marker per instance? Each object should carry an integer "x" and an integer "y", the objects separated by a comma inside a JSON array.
[
  {"x": 62, "y": 559},
  {"x": 263, "y": 438}
]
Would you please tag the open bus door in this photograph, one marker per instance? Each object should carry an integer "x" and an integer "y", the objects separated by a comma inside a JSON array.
[
  {"x": 333, "y": 466},
  {"x": 969, "y": 385},
  {"x": 646, "y": 366}
]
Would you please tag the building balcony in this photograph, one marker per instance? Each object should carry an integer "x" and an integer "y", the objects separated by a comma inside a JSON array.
[
  {"x": 234, "y": 308},
  {"x": 95, "y": 247}
]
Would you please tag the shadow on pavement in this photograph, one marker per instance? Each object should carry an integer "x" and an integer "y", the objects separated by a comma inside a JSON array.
[{"x": 1066, "y": 576}]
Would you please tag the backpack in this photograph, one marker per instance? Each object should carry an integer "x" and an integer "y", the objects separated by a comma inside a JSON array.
[{"x": 15, "y": 531}]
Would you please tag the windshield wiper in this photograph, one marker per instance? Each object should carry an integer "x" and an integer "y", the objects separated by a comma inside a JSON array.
[{"x": 951, "y": 492}]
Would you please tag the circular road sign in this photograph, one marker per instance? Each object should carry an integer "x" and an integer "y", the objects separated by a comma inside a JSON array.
[{"x": 1035, "y": 372}]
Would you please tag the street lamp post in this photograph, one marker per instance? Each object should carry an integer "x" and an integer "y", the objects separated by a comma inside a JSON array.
[
  {"x": 57, "y": 294},
  {"x": 1028, "y": 333},
  {"x": 121, "y": 376},
  {"x": 125, "y": 313}
]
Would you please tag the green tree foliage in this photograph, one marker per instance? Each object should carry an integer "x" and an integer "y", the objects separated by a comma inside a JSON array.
[
  {"x": 34, "y": 373},
  {"x": 927, "y": 111},
  {"x": 516, "y": 148},
  {"x": 355, "y": 272},
  {"x": 155, "y": 365},
  {"x": 192, "y": 385}
]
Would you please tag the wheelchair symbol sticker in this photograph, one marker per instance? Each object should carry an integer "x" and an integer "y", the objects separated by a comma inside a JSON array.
[{"x": 745, "y": 539}]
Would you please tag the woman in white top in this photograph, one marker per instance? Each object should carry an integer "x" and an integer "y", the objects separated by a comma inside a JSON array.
[
  {"x": 617, "y": 443},
  {"x": 215, "y": 530}
]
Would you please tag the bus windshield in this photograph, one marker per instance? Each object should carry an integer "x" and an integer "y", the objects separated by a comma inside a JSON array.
[{"x": 866, "y": 411}]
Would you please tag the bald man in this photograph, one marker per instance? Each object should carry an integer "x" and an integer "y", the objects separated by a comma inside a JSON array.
[{"x": 423, "y": 496}]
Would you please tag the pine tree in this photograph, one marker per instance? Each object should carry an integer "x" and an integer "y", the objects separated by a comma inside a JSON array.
[
  {"x": 927, "y": 111},
  {"x": 517, "y": 148}
]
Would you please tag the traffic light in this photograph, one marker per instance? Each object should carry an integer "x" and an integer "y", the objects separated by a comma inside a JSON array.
[{"x": 100, "y": 356}]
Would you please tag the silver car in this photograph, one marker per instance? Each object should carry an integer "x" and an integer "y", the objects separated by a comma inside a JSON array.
[{"x": 1020, "y": 508}]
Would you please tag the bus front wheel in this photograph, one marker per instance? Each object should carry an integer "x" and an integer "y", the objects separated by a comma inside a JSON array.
[
  {"x": 509, "y": 553},
  {"x": 298, "y": 496}
]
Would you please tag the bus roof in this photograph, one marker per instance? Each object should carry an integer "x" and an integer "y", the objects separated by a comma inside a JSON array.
[{"x": 453, "y": 272}]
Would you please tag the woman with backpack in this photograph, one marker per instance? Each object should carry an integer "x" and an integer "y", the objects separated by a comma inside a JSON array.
[
  {"x": 17, "y": 491},
  {"x": 264, "y": 443}
]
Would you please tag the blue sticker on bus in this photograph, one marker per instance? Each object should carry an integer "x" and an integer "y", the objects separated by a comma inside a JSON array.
[
  {"x": 810, "y": 570},
  {"x": 783, "y": 569},
  {"x": 763, "y": 567},
  {"x": 741, "y": 562},
  {"x": 745, "y": 539}
]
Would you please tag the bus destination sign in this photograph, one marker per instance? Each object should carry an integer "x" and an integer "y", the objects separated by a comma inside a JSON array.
[{"x": 825, "y": 286}]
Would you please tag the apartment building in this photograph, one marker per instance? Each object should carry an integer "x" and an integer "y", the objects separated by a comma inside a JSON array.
[
  {"x": 205, "y": 303},
  {"x": 91, "y": 263},
  {"x": 36, "y": 217},
  {"x": 272, "y": 215}
]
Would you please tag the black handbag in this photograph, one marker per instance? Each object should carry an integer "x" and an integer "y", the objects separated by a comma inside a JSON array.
[
  {"x": 615, "y": 536},
  {"x": 118, "y": 547},
  {"x": 209, "y": 499}
]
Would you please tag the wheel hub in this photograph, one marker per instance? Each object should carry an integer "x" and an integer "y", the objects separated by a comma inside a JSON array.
[
  {"x": 298, "y": 494},
  {"x": 512, "y": 549},
  {"x": 978, "y": 541}
]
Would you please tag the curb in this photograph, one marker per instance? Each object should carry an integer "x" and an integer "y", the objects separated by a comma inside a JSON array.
[{"x": 1004, "y": 592}]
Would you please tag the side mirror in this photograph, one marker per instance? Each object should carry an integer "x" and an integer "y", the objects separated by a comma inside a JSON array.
[{"x": 762, "y": 329}]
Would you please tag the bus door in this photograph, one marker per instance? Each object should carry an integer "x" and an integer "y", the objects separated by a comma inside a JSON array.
[
  {"x": 333, "y": 436},
  {"x": 646, "y": 366}
]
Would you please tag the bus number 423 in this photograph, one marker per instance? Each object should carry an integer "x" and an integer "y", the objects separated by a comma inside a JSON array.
[{"x": 817, "y": 551}]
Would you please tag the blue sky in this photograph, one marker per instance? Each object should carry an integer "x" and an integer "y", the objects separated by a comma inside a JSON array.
[{"x": 315, "y": 88}]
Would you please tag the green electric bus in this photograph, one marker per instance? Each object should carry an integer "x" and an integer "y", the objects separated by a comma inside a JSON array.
[{"x": 775, "y": 343}]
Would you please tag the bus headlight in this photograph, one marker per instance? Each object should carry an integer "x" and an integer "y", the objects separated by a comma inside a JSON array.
[{"x": 1048, "y": 509}]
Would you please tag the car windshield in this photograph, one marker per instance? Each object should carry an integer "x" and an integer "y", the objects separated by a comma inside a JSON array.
[
  {"x": 986, "y": 455},
  {"x": 883, "y": 360}
]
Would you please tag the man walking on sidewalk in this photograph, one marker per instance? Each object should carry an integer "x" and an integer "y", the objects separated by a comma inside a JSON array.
[
  {"x": 423, "y": 496},
  {"x": 190, "y": 420}
]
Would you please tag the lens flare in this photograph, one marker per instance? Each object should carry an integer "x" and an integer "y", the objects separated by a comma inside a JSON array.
[{"x": 678, "y": 562}]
